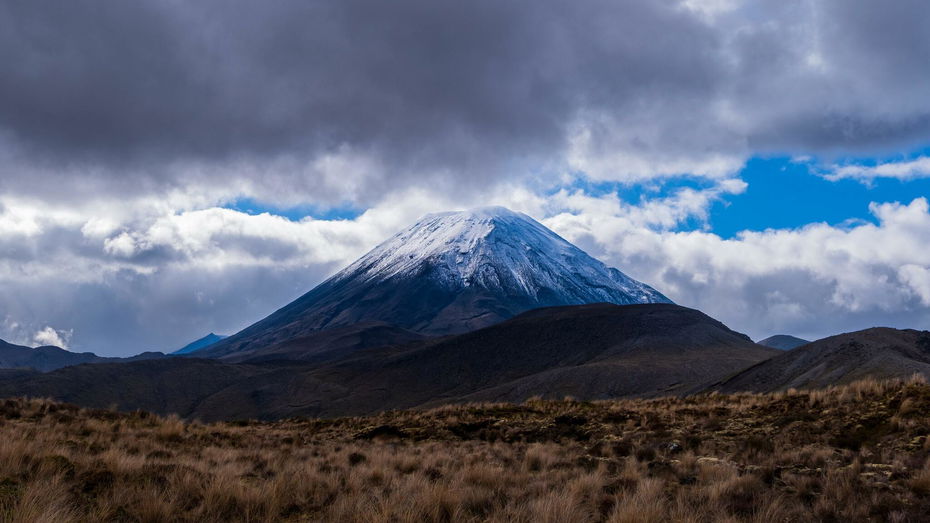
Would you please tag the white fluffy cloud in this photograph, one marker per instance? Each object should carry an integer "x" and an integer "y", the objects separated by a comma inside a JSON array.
[
  {"x": 811, "y": 281},
  {"x": 136, "y": 275},
  {"x": 153, "y": 281},
  {"x": 903, "y": 170},
  {"x": 50, "y": 336},
  {"x": 918, "y": 279}
]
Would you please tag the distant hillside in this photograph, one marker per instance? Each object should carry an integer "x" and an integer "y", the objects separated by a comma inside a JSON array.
[
  {"x": 588, "y": 351},
  {"x": 200, "y": 344},
  {"x": 48, "y": 358},
  {"x": 326, "y": 345},
  {"x": 783, "y": 342},
  {"x": 877, "y": 353},
  {"x": 41, "y": 358},
  {"x": 168, "y": 385}
]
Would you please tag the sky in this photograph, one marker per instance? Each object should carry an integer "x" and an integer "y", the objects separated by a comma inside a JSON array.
[{"x": 169, "y": 168}]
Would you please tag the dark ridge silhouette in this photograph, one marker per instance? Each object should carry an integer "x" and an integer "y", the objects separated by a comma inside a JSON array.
[
  {"x": 587, "y": 351},
  {"x": 879, "y": 353},
  {"x": 48, "y": 357}
]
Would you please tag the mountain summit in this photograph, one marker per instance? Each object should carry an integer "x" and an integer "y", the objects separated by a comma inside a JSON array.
[
  {"x": 449, "y": 273},
  {"x": 496, "y": 250}
]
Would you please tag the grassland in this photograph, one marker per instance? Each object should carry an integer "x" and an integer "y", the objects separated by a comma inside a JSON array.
[{"x": 852, "y": 453}]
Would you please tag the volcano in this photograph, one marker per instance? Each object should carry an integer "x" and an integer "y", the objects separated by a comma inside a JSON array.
[{"x": 449, "y": 273}]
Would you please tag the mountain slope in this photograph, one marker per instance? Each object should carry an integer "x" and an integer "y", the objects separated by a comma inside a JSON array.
[
  {"x": 878, "y": 352},
  {"x": 168, "y": 385},
  {"x": 591, "y": 351},
  {"x": 199, "y": 344},
  {"x": 588, "y": 351},
  {"x": 783, "y": 342},
  {"x": 451, "y": 273},
  {"x": 326, "y": 345}
]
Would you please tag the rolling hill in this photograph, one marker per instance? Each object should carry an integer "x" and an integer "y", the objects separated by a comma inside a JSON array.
[
  {"x": 588, "y": 351},
  {"x": 879, "y": 352},
  {"x": 47, "y": 358}
]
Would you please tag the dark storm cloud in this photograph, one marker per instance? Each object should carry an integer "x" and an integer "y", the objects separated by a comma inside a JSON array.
[
  {"x": 447, "y": 88},
  {"x": 422, "y": 86},
  {"x": 215, "y": 77}
]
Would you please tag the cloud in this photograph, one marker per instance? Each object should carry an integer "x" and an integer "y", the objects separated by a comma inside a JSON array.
[
  {"x": 903, "y": 170},
  {"x": 153, "y": 280},
  {"x": 126, "y": 129},
  {"x": 50, "y": 336},
  {"x": 125, "y": 282},
  {"x": 811, "y": 281},
  {"x": 918, "y": 279},
  {"x": 159, "y": 281},
  {"x": 651, "y": 213},
  {"x": 342, "y": 101}
]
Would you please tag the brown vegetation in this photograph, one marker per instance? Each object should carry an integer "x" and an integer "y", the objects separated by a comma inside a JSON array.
[{"x": 853, "y": 453}]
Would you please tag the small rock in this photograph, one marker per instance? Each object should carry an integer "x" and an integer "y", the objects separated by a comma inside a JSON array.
[{"x": 706, "y": 460}]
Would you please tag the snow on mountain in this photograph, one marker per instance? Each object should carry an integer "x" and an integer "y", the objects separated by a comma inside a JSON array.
[
  {"x": 497, "y": 249},
  {"x": 450, "y": 273}
]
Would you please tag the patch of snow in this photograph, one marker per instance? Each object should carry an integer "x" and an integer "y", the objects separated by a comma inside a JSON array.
[{"x": 502, "y": 251}]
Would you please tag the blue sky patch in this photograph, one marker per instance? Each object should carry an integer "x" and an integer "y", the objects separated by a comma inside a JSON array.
[
  {"x": 296, "y": 213},
  {"x": 786, "y": 194}
]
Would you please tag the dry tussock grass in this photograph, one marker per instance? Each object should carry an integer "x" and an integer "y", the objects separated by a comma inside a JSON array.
[{"x": 853, "y": 453}]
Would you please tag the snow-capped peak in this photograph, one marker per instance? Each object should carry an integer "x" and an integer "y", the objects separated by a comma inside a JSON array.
[{"x": 498, "y": 250}]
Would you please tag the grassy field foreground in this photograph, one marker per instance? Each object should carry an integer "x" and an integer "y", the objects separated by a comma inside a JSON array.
[{"x": 852, "y": 453}]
